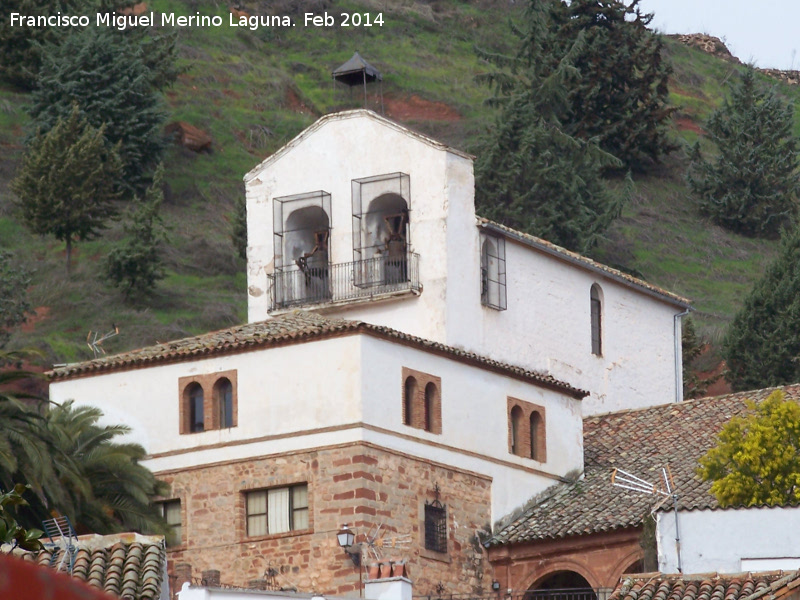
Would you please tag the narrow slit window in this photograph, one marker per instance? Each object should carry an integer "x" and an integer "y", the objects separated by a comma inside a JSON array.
[{"x": 597, "y": 320}]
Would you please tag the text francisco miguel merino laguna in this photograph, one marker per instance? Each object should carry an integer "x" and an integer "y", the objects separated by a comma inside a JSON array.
[{"x": 122, "y": 22}]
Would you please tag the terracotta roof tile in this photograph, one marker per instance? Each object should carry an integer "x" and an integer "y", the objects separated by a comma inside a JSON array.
[
  {"x": 129, "y": 566},
  {"x": 295, "y": 327},
  {"x": 706, "y": 586},
  {"x": 641, "y": 442},
  {"x": 585, "y": 262}
]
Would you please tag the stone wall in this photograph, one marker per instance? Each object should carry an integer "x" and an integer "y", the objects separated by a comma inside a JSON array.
[{"x": 359, "y": 484}]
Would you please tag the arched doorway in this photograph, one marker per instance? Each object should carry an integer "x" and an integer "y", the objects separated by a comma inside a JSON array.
[{"x": 562, "y": 585}]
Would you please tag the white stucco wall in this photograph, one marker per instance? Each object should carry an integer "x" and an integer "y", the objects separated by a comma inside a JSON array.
[
  {"x": 730, "y": 540},
  {"x": 546, "y": 326},
  {"x": 319, "y": 393},
  {"x": 343, "y": 149},
  {"x": 280, "y": 390}
]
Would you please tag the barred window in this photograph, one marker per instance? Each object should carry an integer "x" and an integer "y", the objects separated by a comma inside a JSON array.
[
  {"x": 436, "y": 527},
  {"x": 277, "y": 510}
]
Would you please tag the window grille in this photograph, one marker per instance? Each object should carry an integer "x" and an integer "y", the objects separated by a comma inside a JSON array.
[
  {"x": 493, "y": 272},
  {"x": 436, "y": 526}
]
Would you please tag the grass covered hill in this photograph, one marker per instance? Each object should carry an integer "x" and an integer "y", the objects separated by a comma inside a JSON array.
[{"x": 252, "y": 91}]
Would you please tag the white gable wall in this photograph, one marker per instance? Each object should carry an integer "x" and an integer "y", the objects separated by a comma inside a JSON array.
[{"x": 340, "y": 151}]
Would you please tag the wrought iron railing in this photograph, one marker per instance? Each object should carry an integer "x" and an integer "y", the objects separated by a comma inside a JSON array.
[
  {"x": 319, "y": 284},
  {"x": 559, "y": 594}
]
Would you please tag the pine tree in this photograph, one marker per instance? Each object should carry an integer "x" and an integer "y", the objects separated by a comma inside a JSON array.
[
  {"x": 530, "y": 174},
  {"x": 751, "y": 185},
  {"x": 763, "y": 341},
  {"x": 621, "y": 96},
  {"x": 21, "y": 46},
  {"x": 105, "y": 75},
  {"x": 66, "y": 184},
  {"x": 137, "y": 264}
]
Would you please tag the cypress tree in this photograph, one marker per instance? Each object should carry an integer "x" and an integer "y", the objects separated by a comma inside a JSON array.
[
  {"x": 66, "y": 184},
  {"x": 751, "y": 185},
  {"x": 763, "y": 341}
]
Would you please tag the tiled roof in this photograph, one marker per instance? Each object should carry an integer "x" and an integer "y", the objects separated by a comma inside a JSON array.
[
  {"x": 294, "y": 327},
  {"x": 640, "y": 442},
  {"x": 129, "y": 566},
  {"x": 708, "y": 586},
  {"x": 585, "y": 262}
]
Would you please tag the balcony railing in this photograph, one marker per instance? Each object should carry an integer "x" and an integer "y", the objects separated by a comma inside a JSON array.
[
  {"x": 559, "y": 594},
  {"x": 361, "y": 279}
]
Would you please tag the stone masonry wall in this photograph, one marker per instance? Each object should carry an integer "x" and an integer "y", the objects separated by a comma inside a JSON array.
[{"x": 359, "y": 484}]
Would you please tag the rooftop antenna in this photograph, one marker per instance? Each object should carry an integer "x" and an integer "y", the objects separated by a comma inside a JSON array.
[
  {"x": 95, "y": 340},
  {"x": 64, "y": 540},
  {"x": 629, "y": 481},
  {"x": 378, "y": 540},
  {"x": 357, "y": 71}
]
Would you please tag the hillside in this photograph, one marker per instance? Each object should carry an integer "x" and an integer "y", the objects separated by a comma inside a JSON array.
[{"x": 251, "y": 91}]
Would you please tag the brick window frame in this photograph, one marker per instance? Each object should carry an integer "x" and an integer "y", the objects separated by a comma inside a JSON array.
[
  {"x": 425, "y": 403},
  {"x": 211, "y": 400},
  {"x": 526, "y": 445}
]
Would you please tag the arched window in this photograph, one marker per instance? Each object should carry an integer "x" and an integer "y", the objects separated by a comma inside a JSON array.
[
  {"x": 595, "y": 298},
  {"x": 516, "y": 430},
  {"x": 194, "y": 398},
  {"x": 223, "y": 399},
  {"x": 536, "y": 435},
  {"x": 409, "y": 397},
  {"x": 431, "y": 400}
]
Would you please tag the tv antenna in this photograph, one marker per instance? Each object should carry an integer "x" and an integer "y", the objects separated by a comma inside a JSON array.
[
  {"x": 378, "y": 541},
  {"x": 95, "y": 340},
  {"x": 667, "y": 491}
]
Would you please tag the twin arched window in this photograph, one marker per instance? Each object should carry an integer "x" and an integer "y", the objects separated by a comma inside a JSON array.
[
  {"x": 526, "y": 430},
  {"x": 208, "y": 402},
  {"x": 422, "y": 403}
]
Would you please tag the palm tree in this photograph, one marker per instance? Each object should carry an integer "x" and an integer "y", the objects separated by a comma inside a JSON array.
[
  {"x": 73, "y": 465},
  {"x": 107, "y": 489},
  {"x": 24, "y": 452}
]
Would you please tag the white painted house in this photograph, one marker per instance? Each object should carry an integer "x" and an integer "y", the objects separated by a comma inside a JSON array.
[
  {"x": 362, "y": 218},
  {"x": 407, "y": 366},
  {"x": 729, "y": 540}
]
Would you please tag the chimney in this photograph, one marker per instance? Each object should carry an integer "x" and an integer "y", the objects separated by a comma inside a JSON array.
[
  {"x": 395, "y": 586},
  {"x": 211, "y": 578},
  {"x": 183, "y": 574}
]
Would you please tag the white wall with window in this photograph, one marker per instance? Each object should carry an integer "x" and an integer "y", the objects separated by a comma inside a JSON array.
[{"x": 481, "y": 287}]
